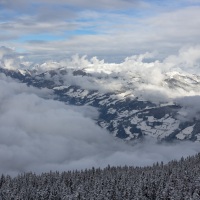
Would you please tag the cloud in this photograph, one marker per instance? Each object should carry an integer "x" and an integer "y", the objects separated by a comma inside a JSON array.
[
  {"x": 9, "y": 58},
  {"x": 142, "y": 74},
  {"x": 41, "y": 135},
  {"x": 188, "y": 59},
  {"x": 4, "y": 51},
  {"x": 86, "y": 4},
  {"x": 71, "y": 27},
  {"x": 169, "y": 80},
  {"x": 18, "y": 4},
  {"x": 34, "y": 25},
  {"x": 190, "y": 108}
]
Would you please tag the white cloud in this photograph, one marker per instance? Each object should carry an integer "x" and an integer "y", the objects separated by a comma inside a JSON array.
[
  {"x": 120, "y": 35},
  {"x": 86, "y": 4},
  {"x": 41, "y": 135},
  {"x": 9, "y": 59},
  {"x": 142, "y": 73},
  {"x": 190, "y": 108},
  {"x": 188, "y": 59}
]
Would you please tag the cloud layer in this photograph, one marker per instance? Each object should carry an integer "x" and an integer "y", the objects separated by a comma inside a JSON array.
[
  {"x": 49, "y": 29},
  {"x": 41, "y": 135},
  {"x": 143, "y": 75}
]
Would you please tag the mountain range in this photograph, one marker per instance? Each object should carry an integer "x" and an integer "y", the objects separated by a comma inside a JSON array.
[{"x": 130, "y": 106}]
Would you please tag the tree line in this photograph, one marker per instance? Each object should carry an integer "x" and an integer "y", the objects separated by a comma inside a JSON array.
[{"x": 175, "y": 180}]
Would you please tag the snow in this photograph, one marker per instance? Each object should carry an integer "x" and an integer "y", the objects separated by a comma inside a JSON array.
[
  {"x": 185, "y": 133},
  {"x": 103, "y": 124},
  {"x": 23, "y": 72},
  {"x": 103, "y": 102},
  {"x": 61, "y": 87},
  {"x": 123, "y": 114},
  {"x": 84, "y": 93},
  {"x": 135, "y": 120},
  {"x": 114, "y": 123},
  {"x": 151, "y": 119},
  {"x": 198, "y": 137},
  {"x": 128, "y": 132},
  {"x": 122, "y": 95},
  {"x": 167, "y": 104},
  {"x": 173, "y": 73},
  {"x": 111, "y": 111},
  {"x": 169, "y": 125}
]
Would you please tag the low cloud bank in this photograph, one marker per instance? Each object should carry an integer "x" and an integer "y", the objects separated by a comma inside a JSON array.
[
  {"x": 41, "y": 135},
  {"x": 190, "y": 108}
]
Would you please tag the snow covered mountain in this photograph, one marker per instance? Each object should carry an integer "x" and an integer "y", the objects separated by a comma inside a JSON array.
[{"x": 131, "y": 104}]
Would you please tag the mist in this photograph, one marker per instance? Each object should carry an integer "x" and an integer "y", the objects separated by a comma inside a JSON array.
[{"x": 41, "y": 135}]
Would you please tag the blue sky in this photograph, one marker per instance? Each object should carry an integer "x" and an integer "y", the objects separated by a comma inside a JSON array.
[{"x": 110, "y": 29}]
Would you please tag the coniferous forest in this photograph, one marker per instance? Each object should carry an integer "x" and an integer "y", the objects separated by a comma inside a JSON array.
[{"x": 175, "y": 180}]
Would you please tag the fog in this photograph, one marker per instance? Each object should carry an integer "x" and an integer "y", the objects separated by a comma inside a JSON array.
[
  {"x": 190, "y": 108},
  {"x": 41, "y": 135}
]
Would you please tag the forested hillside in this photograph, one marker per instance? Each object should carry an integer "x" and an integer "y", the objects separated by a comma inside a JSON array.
[{"x": 175, "y": 180}]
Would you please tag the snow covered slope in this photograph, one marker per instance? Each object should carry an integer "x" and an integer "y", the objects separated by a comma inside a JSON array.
[{"x": 131, "y": 104}]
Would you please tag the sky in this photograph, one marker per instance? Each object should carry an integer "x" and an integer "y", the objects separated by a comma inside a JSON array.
[{"x": 110, "y": 30}]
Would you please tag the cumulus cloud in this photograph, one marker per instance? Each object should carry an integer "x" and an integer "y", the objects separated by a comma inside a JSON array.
[
  {"x": 9, "y": 58},
  {"x": 142, "y": 73},
  {"x": 41, "y": 135},
  {"x": 188, "y": 59}
]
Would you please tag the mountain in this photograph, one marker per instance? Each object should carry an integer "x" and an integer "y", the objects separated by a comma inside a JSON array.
[{"x": 124, "y": 110}]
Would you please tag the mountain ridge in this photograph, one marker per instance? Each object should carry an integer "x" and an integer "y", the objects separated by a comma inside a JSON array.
[{"x": 121, "y": 112}]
